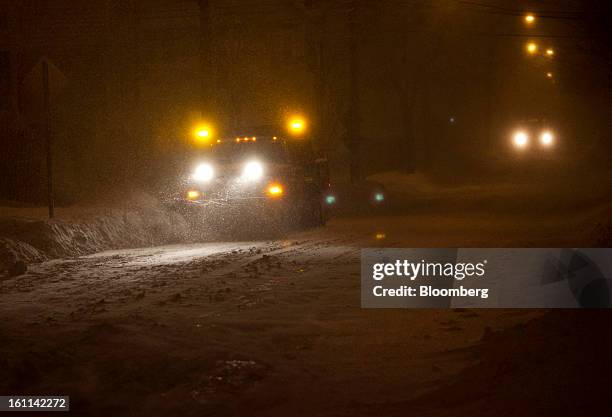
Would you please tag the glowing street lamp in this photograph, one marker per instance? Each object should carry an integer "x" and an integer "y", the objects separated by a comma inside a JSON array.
[
  {"x": 550, "y": 52},
  {"x": 549, "y": 75},
  {"x": 529, "y": 19},
  {"x": 531, "y": 48}
]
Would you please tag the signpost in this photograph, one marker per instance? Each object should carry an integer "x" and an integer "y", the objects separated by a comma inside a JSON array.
[
  {"x": 42, "y": 85},
  {"x": 48, "y": 139}
]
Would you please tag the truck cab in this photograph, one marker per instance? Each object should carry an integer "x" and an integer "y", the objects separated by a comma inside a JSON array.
[{"x": 263, "y": 176}]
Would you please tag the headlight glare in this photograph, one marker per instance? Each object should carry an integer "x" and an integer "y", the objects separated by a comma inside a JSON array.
[
  {"x": 252, "y": 171},
  {"x": 203, "y": 173},
  {"x": 547, "y": 138},
  {"x": 520, "y": 139}
]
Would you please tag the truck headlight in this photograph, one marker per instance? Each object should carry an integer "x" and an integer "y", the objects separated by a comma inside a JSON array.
[
  {"x": 203, "y": 173},
  {"x": 252, "y": 171}
]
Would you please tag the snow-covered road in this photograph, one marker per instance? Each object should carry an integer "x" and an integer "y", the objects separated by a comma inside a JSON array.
[
  {"x": 234, "y": 328},
  {"x": 126, "y": 281}
]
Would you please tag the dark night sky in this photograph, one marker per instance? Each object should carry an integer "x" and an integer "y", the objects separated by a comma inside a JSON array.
[{"x": 133, "y": 78}]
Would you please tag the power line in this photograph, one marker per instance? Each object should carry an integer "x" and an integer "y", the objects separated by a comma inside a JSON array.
[
  {"x": 540, "y": 13},
  {"x": 521, "y": 14}
]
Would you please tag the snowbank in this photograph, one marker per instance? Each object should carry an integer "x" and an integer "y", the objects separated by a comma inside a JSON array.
[
  {"x": 27, "y": 237},
  {"x": 543, "y": 195},
  {"x": 584, "y": 201},
  {"x": 418, "y": 189}
]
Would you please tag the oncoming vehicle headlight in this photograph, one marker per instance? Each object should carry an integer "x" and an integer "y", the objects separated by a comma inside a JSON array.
[
  {"x": 520, "y": 139},
  {"x": 252, "y": 171},
  {"x": 547, "y": 138},
  {"x": 203, "y": 173}
]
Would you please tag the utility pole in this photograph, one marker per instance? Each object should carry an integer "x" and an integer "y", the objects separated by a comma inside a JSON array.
[
  {"x": 352, "y": 127},
  {"x": 14, "y": 41},
  {"x": 314, "y": 60},
  {"x": 47, "y": 134},
  {"x": 207, "y": 59}
]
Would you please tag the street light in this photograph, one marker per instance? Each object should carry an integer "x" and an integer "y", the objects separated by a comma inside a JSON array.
[
  {"x": 531, "y": 47},
  {"x": 549, "y": 75},
  {"x": 550, "y": 52},
  {"x": 529, "y": 18}
]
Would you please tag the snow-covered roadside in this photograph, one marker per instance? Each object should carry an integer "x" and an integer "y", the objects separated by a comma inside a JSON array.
[
  {"x": 27, "y": 237},
  {"x": 545, "y": 193},
  {"x": 586, "y": 202}
]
